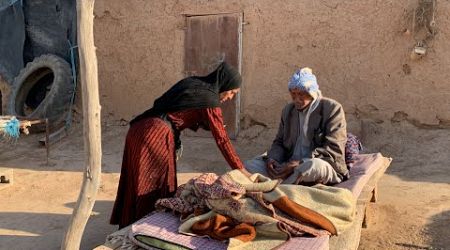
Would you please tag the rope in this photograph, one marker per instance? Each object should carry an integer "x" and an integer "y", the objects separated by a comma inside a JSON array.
[
  {"x": 12, "y": 2},
  {"x": 10, "y": 128},
  {"x": 424, "y": 18},
  {"x": 9, "y": 4},
  {"x": 74, "y": 78}
]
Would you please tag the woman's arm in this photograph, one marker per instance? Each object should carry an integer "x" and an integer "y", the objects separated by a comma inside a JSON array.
[{"x": 215, "y": 120}]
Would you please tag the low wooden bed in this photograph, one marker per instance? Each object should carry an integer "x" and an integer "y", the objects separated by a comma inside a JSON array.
[{"x": 365, "y": 174}]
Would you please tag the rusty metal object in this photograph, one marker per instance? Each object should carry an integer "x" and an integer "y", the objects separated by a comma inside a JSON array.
[{"x": 6, "y": 177}]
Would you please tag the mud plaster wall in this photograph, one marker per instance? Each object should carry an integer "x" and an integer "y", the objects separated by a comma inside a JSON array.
[{"x": 357, "y": 49}]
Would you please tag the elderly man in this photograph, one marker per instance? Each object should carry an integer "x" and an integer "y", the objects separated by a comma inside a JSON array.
[{"x": 309, "y": 147}]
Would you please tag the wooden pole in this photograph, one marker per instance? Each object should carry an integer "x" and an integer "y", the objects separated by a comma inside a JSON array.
[{"x": 91, "y": 125}]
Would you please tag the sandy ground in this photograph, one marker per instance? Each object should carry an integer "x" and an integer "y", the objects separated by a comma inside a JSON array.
[{"x": 413, "y": 210}]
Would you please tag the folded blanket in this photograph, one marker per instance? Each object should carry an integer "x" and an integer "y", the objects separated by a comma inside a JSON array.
[
  {"x": 273, "y": 210},
  {"x": 329, "y": 208}
]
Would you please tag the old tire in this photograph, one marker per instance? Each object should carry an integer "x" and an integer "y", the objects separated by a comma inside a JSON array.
[{"x": 43, "y": 89}]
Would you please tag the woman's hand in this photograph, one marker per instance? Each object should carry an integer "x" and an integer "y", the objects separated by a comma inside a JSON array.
[{"x": 245, "y": 172}]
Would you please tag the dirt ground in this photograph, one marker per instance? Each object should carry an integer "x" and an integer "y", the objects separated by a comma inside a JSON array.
[{"x": 413, "y": 211}]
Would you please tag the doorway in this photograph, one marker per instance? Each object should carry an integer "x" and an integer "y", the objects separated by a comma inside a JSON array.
[{"x": 210, "y": 39}]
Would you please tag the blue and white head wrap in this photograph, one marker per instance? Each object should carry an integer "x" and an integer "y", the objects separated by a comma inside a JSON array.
[{"x": 304, "y": 80}]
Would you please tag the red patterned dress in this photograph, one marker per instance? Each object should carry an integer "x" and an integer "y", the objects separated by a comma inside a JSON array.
[{"x": 149, "y": 166}]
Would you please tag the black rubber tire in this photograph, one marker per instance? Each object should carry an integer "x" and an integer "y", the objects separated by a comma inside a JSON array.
[{"x": 56, "y": 102}]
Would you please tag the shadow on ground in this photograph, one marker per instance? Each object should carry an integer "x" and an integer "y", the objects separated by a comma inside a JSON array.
[{"x": 46, "y": 230}]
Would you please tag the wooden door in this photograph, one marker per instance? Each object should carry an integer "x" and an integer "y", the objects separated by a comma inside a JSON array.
[{"x": 210, "y": 39}]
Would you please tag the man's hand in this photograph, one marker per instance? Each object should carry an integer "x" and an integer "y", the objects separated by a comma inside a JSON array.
[
  {"x": 277, "y": 171},
  {"x": 273, "y": 164},
  {"x": 291, "y": 164},
  {"x": 272, "y": 167}
]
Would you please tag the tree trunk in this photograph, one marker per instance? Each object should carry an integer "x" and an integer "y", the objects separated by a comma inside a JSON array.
[{"x": 91, "y": 125}]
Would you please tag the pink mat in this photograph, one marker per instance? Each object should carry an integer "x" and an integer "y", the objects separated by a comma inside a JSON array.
[
  {"x": 363, "y": 168},
  {"x": 165, "y": 225}
]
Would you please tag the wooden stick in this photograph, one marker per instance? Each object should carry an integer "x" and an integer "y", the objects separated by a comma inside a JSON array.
[
  {"x": 47, "y": 146},
  {"x": 91, "y": 124}
]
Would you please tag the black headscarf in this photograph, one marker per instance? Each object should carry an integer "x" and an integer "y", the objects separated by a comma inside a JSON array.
[{"x": 195, "y": 92}]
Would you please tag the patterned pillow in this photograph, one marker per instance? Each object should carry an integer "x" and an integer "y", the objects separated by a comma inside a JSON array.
[{"x": 352, "y": 148}]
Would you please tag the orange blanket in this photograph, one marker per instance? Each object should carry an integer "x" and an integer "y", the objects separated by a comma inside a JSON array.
[{"x": 221, "y": 228}]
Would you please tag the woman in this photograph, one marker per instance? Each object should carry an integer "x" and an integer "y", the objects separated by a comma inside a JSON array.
[{"x": 149, "y": 159}]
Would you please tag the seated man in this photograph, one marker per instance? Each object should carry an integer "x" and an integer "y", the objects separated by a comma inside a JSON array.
[{"x": 309, "y": 147}]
